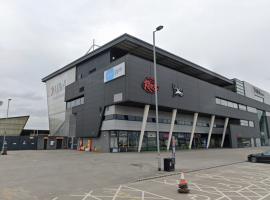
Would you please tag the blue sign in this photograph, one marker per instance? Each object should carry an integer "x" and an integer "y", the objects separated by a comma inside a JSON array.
[
  {"x": 114, "y": 72},
  {"x": 109, "y": 74}
]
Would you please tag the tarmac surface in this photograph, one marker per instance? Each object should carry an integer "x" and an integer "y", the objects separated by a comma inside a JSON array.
[{"x": 75, "y": 175}]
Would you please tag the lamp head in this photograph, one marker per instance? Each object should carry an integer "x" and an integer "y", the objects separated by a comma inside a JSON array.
[
  {"x": 159, "y": 28},
  {"x": 9, "y": 99}
]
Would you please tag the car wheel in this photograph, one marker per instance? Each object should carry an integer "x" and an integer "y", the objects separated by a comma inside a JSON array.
[{"x": 253, "y": 159}]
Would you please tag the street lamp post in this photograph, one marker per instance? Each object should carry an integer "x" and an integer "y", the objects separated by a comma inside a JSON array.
[
  {"x": 155, "y": 72},
  {"x": 5, "y": 128}
]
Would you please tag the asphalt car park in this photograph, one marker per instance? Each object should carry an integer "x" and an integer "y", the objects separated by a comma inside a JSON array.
[{"x": 76, "y": 175}]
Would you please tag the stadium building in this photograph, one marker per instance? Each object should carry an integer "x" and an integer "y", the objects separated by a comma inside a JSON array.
[{"x": 106, "y": 99}]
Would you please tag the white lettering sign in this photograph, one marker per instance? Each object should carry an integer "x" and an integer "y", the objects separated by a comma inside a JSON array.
[{"x": 115, "y": 72}]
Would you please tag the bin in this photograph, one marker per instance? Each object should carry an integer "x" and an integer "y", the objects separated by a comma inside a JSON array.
[
  {"x": 169, "y": 164},
  {"x": 5, "y": 151},
  {"x": 83, "y": 148}
]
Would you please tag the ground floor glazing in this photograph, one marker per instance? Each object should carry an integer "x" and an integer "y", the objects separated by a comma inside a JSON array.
[{"x": 126, "y": 141}]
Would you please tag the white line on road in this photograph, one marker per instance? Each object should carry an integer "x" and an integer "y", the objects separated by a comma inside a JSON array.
[{"x": 116, "y": 193}]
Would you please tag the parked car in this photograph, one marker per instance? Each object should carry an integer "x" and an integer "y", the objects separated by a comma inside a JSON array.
[{"x": 259, "y": 157}]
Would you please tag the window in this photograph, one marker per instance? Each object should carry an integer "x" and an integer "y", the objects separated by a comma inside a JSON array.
[
  {"x": 165, "y": 121},
  {"x": 219, "y": 126},
  {"x": 120, "y": 117},
  {"x": 131, "y": 118},
  {"x": 224, "y": 102},
  {"x": 199, "y": 124},
  {"x": 81, "y": 89},
  {"x": 242, "y": 107},
  {"x": 266, "y": 153},
  {"x": 235, "y": 105},
  {"x": 251, "y": 124},
  {"x": 205, "y": 125},
  {"x": 91, "y": 71},
  {"x": 109, "y": 117},
  {"x": 77, "y": 102},
  {"x": 72, "y": 104},
  {"x": 113, "y": 139},
  {"x": 188, "y": 123},
  {"x": 139, "y": 119},
  {"x": 243, "y": 122},
  {"x": 80, "y": 76},
  {"x": 218, "y": 101},
  {"x": 149, "y": 119},
  {"x": 230, "y": 104},
  {"x": 180, "y": 122}
]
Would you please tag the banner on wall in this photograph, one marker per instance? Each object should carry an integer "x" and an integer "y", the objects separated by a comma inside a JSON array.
[
  {"x": 57, "y": 89},
  {"x": 114, "y": 72}
]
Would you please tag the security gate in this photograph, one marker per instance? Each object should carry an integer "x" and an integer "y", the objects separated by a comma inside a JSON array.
[
  {"x": 28, "y": 143},
  {"x": 19, "y": 142}
]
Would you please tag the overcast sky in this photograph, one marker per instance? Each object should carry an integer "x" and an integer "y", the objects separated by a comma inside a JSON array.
[{"x": 229, "y": 37}]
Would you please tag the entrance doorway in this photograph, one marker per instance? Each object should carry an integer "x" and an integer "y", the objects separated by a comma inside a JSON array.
[
  {"x": 45, "y": 144},
  {"x": 59, "y": 144}
]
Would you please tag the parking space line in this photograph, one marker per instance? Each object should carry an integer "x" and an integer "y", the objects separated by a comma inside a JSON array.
[{"x": 117, "y": 192}]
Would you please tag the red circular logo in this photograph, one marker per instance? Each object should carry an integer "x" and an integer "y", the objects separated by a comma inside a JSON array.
[{"x": 149, "y": 85}]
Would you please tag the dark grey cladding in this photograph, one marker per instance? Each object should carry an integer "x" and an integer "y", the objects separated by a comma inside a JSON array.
[
  {"x": 199, "y": 96},
  {"x": 127, "y": 44}
]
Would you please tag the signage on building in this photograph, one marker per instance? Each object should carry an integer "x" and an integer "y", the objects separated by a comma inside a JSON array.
[
  {"x": 57, "y": 89},
  {"x": 115, "y": 72},
  {"x": 238, "y": 135},
  {"x": 149, "y": 85},
  {"x": 177, "y": 91},
  {"x": 258, "y": 91}
]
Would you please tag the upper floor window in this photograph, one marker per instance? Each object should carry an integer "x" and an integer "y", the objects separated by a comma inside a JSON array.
[{"x": 75, "y": 102}]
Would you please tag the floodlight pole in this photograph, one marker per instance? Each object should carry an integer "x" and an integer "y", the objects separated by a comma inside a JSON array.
[
  {"x": 156, "y": 99},
  {"x": 5, "y": 129}
]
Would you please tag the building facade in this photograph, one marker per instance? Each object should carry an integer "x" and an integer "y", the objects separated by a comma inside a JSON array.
[{"x": 107, "y": 97}]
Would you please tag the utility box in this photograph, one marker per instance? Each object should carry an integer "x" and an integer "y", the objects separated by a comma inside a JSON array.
[{"x": 169, "y": 164}]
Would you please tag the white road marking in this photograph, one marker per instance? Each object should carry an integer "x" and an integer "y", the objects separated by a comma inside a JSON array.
[{"x": 117, "y": 192}]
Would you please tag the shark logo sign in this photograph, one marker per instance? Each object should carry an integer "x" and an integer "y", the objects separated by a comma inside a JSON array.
[{"x": 177, "y": 91}]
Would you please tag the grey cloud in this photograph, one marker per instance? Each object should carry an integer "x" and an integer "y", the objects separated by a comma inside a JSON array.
[
  {"x": 38, "y": 37},
  {"x": 29, "y": 96}
]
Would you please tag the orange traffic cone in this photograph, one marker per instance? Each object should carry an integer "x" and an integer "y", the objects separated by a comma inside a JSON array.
[
  {"x": 183, "y": 186},
  {"x": 182, "y": 181}
]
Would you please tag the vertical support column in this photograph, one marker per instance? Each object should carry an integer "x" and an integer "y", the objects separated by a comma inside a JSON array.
[
  {"x": 210, "y": 130},
  {"x": 193, "y": 129},
  {"x": 145, "y": 115},
  {"x": 171, "y": 128},
  {"x": 224, "y": 131}
]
